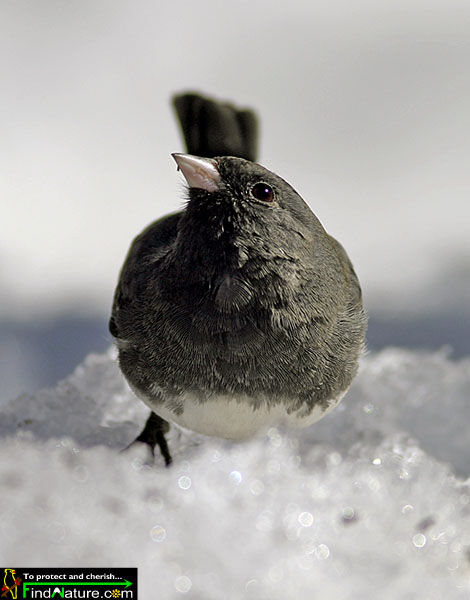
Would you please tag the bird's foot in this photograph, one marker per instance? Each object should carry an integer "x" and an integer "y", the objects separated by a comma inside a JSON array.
[{"x": 153, "y": 434}]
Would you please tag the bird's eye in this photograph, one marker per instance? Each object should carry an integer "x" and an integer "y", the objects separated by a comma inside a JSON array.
[{"x": 262, "y": 191}]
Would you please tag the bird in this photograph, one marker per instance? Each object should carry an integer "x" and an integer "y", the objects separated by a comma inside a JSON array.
[
  {"x": 238, "y": 312},
  {"x": 10, "y": 583}
]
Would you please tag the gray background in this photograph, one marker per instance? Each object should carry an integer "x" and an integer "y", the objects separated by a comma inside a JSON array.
[{"x": 364, "y": 108}]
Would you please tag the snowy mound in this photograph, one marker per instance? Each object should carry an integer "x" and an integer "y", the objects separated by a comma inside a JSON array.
[{"x": 371, "y": 502}]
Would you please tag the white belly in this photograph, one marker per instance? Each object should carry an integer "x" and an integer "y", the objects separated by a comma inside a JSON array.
[{"x": 225, "y": 417}]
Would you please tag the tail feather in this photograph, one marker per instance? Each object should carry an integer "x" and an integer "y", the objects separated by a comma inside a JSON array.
[{"x": 212, "y": 128}]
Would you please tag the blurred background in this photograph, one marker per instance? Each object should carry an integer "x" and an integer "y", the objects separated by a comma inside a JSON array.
[{"x": 364, "y": 109}]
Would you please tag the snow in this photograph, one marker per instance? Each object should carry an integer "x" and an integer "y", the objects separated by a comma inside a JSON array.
[{"x": 370, "y": 502}]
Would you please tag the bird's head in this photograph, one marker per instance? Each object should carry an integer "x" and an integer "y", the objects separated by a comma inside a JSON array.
[{"x": 241, "y": 204}]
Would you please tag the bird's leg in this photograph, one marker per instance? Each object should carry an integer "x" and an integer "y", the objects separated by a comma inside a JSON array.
[{"x": 153, "y": 434}]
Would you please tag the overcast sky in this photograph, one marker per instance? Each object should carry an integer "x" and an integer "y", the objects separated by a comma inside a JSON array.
[{"x": 364, "y": 109}]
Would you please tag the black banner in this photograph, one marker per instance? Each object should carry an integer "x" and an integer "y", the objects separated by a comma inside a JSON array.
[{"x": 90, "y": 583}]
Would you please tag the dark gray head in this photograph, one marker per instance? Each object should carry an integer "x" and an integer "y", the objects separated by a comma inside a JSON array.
[
  {"x": 251, "y": 188},
  {"x": 246, "y": 210}
]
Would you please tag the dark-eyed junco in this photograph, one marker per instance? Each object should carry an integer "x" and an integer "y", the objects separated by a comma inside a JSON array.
[{"x": 240, "y": 311}]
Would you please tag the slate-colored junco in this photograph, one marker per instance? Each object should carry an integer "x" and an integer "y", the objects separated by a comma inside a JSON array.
[{"x": 240, "y": 311}]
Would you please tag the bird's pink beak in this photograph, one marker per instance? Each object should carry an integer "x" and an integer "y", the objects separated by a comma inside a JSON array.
[{"x": 199, "y": 172}]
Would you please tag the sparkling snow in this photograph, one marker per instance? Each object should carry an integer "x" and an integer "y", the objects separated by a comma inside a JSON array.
[{"x": 371, "y": 502}]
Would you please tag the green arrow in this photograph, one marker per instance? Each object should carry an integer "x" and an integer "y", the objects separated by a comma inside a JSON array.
[{"x": 59, "y": 583}]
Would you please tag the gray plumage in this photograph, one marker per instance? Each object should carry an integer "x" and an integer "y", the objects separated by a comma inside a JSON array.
[{"x": 238, "y": 296}]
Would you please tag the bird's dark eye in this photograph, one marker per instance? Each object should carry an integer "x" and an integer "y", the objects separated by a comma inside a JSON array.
[{"x": 262, "y": 191}]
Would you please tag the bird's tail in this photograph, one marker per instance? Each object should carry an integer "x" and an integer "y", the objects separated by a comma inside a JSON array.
[{"x": 212, "y": 128}]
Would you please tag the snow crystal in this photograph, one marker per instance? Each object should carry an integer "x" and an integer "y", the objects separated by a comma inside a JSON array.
[{"x": 370, "y": 502}]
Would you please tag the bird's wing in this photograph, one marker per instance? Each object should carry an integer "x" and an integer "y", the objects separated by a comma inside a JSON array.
[
  {"x": 212, "y": 128},
  {"x": 354, "y": 289},
  {"x": 134, "y": 273}
]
